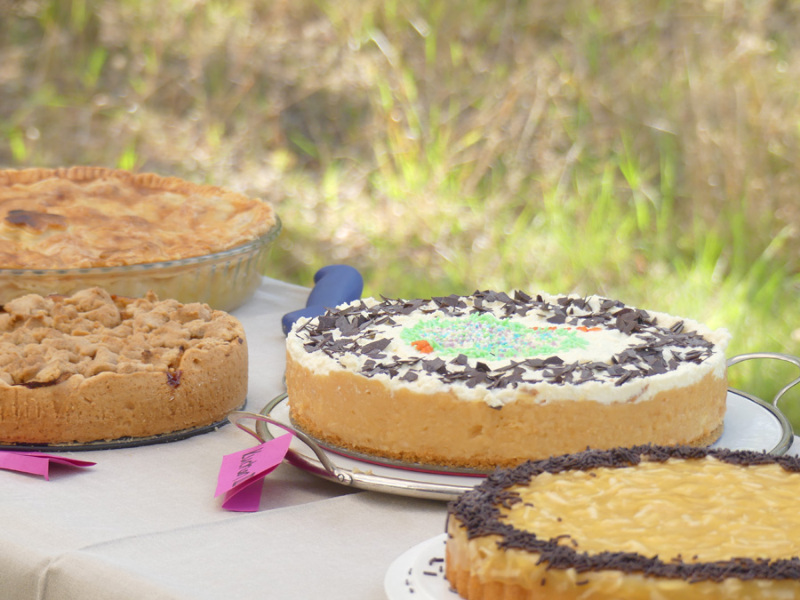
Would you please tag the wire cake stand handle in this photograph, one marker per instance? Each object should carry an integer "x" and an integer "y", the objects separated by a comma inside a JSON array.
[
  {"x": 323, "y": 466},
  {"x": 788, "y": 432},
  {"x": 328, "y": 470}
]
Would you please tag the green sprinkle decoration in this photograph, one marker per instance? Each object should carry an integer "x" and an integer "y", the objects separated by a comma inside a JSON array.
[{"x": 485, "y": 336}]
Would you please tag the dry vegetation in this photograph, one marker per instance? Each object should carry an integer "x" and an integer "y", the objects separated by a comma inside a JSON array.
[{"x": 644, "y": 150}]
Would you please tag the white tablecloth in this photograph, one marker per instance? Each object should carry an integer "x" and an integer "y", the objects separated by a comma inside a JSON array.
[{"x": 144, "y": 523}]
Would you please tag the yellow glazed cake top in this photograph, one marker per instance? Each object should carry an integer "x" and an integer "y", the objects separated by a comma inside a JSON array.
[
  {"x": 702, "y": 510},
  {"x": 647, "y": 516}
]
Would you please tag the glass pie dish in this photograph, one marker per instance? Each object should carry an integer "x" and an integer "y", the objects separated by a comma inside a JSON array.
[{"x": 224, "y": 279}]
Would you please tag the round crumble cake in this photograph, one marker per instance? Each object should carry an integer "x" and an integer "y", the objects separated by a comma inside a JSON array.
[
  {"x": 492, "y": 380},
  {"x": 666, "y": 523},
  {"x": 93, "y": 366}
]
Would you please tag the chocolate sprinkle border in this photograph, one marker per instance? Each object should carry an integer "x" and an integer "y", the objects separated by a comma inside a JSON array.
[
  {"x": 479, "y": 511},
  {"x": 349, "y": 330}
]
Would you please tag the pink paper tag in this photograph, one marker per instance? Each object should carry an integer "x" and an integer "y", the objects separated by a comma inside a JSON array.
[
  {"x": 242, "y": 473},
  {"x": 35, "y": 463}
]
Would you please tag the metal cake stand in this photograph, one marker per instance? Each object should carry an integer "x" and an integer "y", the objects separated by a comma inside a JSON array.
[{"x": 751, "y": 424}]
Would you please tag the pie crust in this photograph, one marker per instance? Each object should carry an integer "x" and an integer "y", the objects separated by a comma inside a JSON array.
[{"x": 95, "y": 217}]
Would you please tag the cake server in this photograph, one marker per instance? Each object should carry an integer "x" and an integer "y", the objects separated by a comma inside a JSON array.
[{"x": 333, "y": 285}]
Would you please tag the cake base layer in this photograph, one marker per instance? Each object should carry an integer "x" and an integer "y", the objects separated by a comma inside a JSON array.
[
  {"x": 110, "y": 406},
  {"x": 568, "y": 584},
  {"x": 361, "y": 414}
]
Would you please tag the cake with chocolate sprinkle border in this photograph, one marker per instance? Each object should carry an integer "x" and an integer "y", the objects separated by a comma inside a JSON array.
[
  {"x": 493, "y": 379},
  {"x": 650, "y": 522}
]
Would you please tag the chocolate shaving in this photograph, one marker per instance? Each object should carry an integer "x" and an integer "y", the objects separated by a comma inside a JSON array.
[
  {"x": 375, "y": 346},
  {"x": 657, "y": 349},
  {"x": 460, "y": 360}
]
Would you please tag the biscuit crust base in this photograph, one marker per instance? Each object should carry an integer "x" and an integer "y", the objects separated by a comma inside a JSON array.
[
  {"x": 210, "y": 382},
  {"x": 361, "y": 414}
]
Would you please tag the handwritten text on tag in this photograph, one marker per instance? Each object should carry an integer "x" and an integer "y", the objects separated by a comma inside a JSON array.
[{"x": 242, "y": 473}]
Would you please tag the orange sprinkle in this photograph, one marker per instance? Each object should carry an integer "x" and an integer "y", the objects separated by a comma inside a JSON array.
[{"x": 422, "y": 346}]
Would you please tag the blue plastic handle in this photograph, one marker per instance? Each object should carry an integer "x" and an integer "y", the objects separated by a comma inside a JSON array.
[{"x": 333, "y": 285}]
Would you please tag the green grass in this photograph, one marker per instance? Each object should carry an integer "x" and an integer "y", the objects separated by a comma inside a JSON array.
[{"x": 643, "y": 150}]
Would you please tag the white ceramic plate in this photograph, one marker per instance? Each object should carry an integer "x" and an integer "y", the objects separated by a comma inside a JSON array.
[
  {"x": 750, "y": 424},
  {"x": 418, "y": 574}
]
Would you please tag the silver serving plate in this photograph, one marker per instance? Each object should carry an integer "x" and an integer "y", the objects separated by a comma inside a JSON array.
[
  {"x": 750, "y": 424},
  {"x": 420, "y": 571}
]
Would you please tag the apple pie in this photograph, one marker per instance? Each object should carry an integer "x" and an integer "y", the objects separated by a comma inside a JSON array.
[{"x": 66, "y": 229}]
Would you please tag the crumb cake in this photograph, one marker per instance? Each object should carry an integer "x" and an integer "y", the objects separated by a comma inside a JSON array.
[
  {"x": 492, "y": 380},
  {"x": 67, "y": 229},
  {"x": 93, "y": 366},
  {"x": 641, "y": 523}
]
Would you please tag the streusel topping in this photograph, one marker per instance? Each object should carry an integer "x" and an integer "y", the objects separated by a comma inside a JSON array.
[{"x": 46, "y": 339}]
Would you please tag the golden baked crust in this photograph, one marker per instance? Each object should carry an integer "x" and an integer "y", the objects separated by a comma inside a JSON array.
[
  {"x": 630, "y": 524},
  {"x": 83, "y": 217},
  {"x": 98, "y": 367}
]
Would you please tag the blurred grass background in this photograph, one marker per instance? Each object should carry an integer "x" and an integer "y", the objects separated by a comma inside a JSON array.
[{"x": 647, "y": 151}]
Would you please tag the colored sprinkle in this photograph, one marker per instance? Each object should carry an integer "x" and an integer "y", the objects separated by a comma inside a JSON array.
[
  {"x": 422, "y": 346},
  {"x": 486, "y": 336}
]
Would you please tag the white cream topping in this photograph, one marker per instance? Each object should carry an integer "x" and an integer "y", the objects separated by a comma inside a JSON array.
[{"x": 598, "y": 344}]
